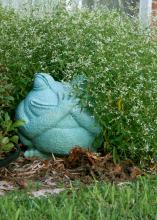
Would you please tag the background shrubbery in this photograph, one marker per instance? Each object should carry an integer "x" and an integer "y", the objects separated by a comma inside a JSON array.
[{"x": 119, "y": 59}]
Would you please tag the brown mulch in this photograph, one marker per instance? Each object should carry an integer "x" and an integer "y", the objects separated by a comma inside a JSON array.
[{"x": 81, "y": 165}]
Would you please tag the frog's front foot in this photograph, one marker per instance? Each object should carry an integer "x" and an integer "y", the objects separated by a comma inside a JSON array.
[
  {"x": 66, "y": 101},
  {"x": 36, "y": 153}
]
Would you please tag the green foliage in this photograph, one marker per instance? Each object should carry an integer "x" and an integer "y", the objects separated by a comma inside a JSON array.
[
  {"x": 129, "y": 200},
  {"x": 8, "y": 133},
  {"x": 118, "y": 58}
]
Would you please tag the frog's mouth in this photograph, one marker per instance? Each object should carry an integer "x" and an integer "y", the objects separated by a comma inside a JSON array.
[{"x": 41, "y": 104}]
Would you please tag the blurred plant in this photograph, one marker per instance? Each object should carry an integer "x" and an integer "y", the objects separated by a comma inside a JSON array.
[{"x": 8, "y": 133}]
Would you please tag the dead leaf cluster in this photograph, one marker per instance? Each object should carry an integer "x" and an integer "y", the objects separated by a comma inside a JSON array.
[
  {"x": 94, "y": 166},
  {"x": 81, "y": 165}
]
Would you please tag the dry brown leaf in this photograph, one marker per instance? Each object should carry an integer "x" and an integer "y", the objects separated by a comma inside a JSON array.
[
  {"x": 22, "y": 183},
  {"x": 49, "y": 181},
  {"x": 45, "y": 192},
  {"x": 135, "y": 172},
  {"x": 6, "y": 186}
]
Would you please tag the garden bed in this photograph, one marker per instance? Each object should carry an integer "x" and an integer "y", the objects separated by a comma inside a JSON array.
[{"x": 81, "y": 165}]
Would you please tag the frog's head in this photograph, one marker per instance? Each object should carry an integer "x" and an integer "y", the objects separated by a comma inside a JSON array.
[
  {"x": 43, "y": 81},
  {"x": 44, "y": 93}
]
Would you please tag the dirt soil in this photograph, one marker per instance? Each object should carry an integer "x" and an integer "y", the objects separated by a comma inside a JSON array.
[{"x": 81, "y": 165}]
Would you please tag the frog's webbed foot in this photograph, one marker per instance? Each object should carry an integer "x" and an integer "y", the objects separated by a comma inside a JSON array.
[
  {"x": 66, "y": 101},
  {"x": 35, "y": 153}
]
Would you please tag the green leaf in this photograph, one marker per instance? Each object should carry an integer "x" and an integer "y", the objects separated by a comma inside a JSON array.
[
  {"x": 5, "y": 141},
  {"x": 6, "y": 116},
  {"x": 1, "y": 136},
  {"x": 17, "y": 124},
  {"x": 115, "y": 155},
  {"x": 14, "y": 139},
  {"x": 8, "y": 146},
  {"x": 8, "y": 125}
]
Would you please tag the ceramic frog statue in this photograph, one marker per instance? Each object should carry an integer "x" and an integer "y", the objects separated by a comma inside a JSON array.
[{"x": 54, "y": 121}]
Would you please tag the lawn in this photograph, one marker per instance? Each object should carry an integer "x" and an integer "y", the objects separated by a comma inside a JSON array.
[{"x": 99, "y": 201}]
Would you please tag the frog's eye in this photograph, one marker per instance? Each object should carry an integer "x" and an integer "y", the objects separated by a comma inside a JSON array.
[{"x": 39, "y": 83}]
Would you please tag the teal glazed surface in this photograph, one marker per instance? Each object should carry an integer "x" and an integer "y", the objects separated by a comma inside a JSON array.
[{"x": 54, "y": 121}]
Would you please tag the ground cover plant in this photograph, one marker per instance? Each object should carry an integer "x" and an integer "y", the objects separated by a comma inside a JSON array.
[{"x": 116, "y": 56}]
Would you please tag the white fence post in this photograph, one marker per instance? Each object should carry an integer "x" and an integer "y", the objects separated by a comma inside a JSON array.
[{"x": 145, "y": 12}]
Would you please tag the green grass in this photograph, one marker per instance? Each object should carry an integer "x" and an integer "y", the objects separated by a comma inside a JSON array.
[{"x": 107, "y": 201}]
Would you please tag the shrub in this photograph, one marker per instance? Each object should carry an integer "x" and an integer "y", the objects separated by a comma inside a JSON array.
[
  {"x": 118, "y": 58},
  {"x": 8, "y": 134}
]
